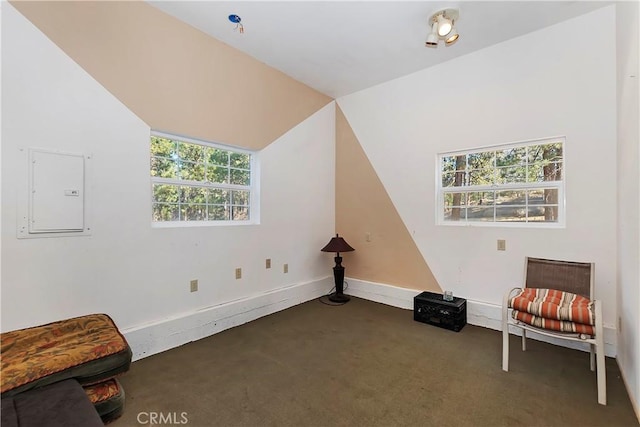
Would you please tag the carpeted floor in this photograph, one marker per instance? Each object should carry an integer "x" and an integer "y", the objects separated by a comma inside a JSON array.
[{"x": 367, "y": 364}]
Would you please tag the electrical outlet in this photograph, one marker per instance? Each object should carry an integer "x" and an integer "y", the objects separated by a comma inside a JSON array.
[
  {"x": 502, "y": 245},
  {"x": 286, "y": 268},
  {"x": 194, "y": 285},
  {"x": 238, "y": 273},
  {"x": 268, "y": 263}
]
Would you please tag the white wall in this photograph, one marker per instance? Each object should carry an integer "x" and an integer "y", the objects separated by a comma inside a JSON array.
[
  {"x": 138, "y": 274},
  {"x": 627, "y": 22},
  {"x": 556, "y": 81}
]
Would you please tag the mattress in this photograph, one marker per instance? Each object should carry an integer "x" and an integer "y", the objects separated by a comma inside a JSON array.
[
  {"x": 108, "y": 399},
  {"x": 89, "y": 349}
]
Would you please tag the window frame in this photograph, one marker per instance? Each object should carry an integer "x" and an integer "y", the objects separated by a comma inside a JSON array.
[
  {"x": 560, "y": 185},
  {"x": 253, "y": 187}
]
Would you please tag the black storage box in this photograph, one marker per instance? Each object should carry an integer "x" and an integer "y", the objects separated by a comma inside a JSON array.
[{"x": 432, "y": 309}]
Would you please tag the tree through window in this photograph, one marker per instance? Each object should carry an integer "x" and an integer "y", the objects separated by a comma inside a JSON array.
[
  {"x": 198, "y": 181},
  {"x": 516, "y": 183}
]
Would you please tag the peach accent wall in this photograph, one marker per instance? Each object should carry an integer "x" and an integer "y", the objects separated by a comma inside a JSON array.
[
  {"x": 173, "y": 76},
  {"x": 363, "y": 208}
]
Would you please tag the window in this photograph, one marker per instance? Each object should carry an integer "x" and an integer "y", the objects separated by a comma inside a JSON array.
[
  {"x": 199, "y": 181},
  {"x": 508, "y": 184}
]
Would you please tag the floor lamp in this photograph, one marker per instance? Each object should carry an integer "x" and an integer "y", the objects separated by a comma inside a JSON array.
[{"x": 337, "y": 245}]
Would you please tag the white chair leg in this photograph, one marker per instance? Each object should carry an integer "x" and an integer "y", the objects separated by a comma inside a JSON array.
[
  {"x": 505, "y": 334},
  {"x": 505, "y": 347},
  {"x": 592, "y": 356},
  {"x": 601, "y": 370},
  {"x": 524, "y": 340}
]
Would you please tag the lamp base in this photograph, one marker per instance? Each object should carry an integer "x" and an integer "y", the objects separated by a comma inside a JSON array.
[{"x": 342, "y": 298}]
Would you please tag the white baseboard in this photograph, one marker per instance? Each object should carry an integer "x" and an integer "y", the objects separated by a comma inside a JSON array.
[
  {"x": 478, "y": 313},
  {"x": 152, "y": 338},
  {"x": 146, "y": 340}
]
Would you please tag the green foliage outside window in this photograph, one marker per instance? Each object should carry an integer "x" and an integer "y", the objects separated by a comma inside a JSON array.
[
  {"x": 527, "y": 170},
  {"x": 193, "y": 182}
]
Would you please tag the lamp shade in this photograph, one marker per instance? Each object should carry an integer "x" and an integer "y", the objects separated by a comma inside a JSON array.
[{"x": 337, "y": 244}]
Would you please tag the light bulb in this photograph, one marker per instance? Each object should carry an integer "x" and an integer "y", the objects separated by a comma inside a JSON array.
[{"x": 444, "y": 26}]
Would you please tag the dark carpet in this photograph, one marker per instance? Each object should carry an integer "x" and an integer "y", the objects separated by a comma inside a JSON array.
[{"x": 366, "y": 363}]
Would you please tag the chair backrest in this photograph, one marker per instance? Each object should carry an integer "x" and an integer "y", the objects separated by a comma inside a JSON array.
[{"x": 567, "y": 276}]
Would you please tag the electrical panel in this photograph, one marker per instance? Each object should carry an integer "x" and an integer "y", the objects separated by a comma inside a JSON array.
[{"x": 55, "y": 203}]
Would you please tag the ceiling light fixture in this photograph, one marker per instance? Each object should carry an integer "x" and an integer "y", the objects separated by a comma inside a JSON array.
[{"x": 442, "y": 24}]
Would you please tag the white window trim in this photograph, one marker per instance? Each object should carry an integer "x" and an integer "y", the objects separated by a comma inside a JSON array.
[
  {"x": 254, "y": 207},
  {"x": 562, "y": 211}
]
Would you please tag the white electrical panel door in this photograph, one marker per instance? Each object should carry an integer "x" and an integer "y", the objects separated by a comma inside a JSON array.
[{"x": 57, "y": 192}]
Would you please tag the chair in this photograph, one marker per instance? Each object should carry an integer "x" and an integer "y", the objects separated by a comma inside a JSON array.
[{"x": 557, "y": 301}]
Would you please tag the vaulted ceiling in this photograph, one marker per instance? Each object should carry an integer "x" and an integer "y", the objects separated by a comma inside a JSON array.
[{"x": 340, "y": 47}]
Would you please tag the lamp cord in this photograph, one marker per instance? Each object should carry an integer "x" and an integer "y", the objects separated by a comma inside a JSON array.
[{"x": 321, "y": 299}]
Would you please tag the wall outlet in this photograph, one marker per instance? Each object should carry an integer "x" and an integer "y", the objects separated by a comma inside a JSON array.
[
  {"x": 267, "y": 263},
  {"x": 286, "y": 268},
  {"x": 502, "y": 245},
  {"x": 238, "y": 273},
  {"x": 194, "y": 285}
]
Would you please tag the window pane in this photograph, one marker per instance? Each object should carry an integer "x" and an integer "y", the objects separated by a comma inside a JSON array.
[
  {"x": 480, "y": 213},
  {"x": 535, "y": 172},
  {"x": 535, "y": 197},
  {"x": 511, "y": 214},
  {"x": 164, "y": 168},
  {"x": 216, "y": 156},
  {"x": 553, "y": 171},
  {"x": 551, "y": 196},
  {"x": 534, "y": 153},
  {"x": 240, "y": 213},
  {"x": 455, "y": 199},
  {"x": 453, "y": 163},
  {"x": 511, "y": 174},
  {"x": 511, "y": 157},
  {"x": 480, "y": 198},
  {"x": 218, "y": 213},
  {"x": 240, "y": 177},
  {"x": 481, "y": 160},
  {"x": 545, "y": 152},
  {"x": 543, "y": 214},
  {"x": 193, "y": 212},
  {"x": 162, "y": 147},
  {"x": 190, "y": 152},
  {"x": 453, "y": 179},
  {"x": 191, "y": 171},
  {"x": 510, "y": 197},
  {"x": 481, "y": 177},
  {"x": 240, "y": 160},
  {"x": 166, "y": 193},
  {"x": 546, "y": 196},
  {"x": 193, "y": 195},
  {"x": 455, "y": 214},
  {"x": 218, "y": 196},
  {"x": 240, "y": 198},
  {"x": 165, "y": 212},
  {"x": 217, "y": 174}
]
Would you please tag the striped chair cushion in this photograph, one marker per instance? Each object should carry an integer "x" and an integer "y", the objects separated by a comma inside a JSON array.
[
  {"x": 554, "y": 305},
  {"x": 552, "y": 324}
]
